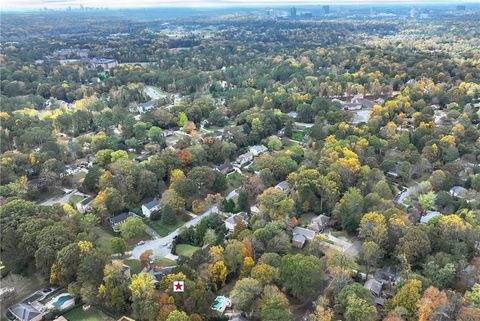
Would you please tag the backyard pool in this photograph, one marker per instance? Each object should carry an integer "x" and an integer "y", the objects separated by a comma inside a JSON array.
[{"x": 62, "y": 299}]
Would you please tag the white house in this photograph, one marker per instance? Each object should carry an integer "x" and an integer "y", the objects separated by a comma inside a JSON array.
[
  {"x": 244, "y": 158},
  {"x": 284, "y": 187},
  {"x": 258, "y": 149},
  {"x": 233, "y": 220},
  {"x": 150, "y": 207},
  {"x": 84, "y": 205}
]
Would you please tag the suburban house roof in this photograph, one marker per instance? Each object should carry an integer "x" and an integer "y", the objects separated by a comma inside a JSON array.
[
  {"x": 158, "y": 274},
  {"x": 86, "y": 200},
  {"x": 373, "y": 286},
  {"x": 24, "y": 311},
  {"x": 299, "y": 239},
  {"x": 431, "y": 214},
  {"x": 308, "y": 234},
  {"x": 283, "y": 186},
  {"x": 318, "y": 223},
  {"x": 122, "y": 217},
  {"x": 152, "y": 204},
  {"x": 233, "y": 218},
  {"x": 456, "y": 190},
  {"x": 293, "y": 114},
  {"x": 258, "y": 149}
]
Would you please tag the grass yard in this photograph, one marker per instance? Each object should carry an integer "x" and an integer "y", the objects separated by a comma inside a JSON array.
[
  {"x": 186, "y": 250},
  {"x": 92, "y": 314},
  {"x": 163, "y": 261},
  {"x": 135, "y": 265},
  {"x": 163, "y": 229},
  {"x": 103, "y": 237},
  {"x": 234, "y": 180},
  {"x": 298, "y": 135},
  {"x": 74, "y": 199}
]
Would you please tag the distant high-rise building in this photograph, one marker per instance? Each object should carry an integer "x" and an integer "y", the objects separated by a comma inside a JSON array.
[
  {"x": 293, "y": 12},
  {"x": 326, "y": 9}
]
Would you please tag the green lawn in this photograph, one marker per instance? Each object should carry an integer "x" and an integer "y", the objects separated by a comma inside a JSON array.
[
  {"x": 103, "y": 237},
  {"x": 163, "y": 261},
  {"x": 186, "y": 250},
  {"x": 74, "y": 199},
  {"x": 163, "y": 229},
  {"x": 298, "y": 135},
  {"x": 92, "y": 314},
  {"x": 234, "y": 180},
  {"x": 135, "y": 265}
]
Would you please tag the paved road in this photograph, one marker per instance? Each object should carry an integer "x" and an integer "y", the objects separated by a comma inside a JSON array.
[
  {"x": 160, "y": 246},
  {"x": 402, "y": 196}
]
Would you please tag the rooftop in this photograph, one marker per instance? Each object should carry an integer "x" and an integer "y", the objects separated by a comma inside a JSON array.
[{"x": 152, "y": 204}]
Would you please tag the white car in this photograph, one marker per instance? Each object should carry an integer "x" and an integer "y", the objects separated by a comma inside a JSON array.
[{"x": 141, "y": 243}]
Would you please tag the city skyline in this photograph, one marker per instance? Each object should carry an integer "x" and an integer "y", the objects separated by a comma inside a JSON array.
[{"x": 59, "y": 4}]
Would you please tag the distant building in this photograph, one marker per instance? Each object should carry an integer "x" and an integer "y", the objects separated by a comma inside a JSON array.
[
  {"x": 119, "y": 219},
  {"x": 147, "y": 106},
  {"x": 150, "y": 207},
  {"x": 225, "y": 168},
  {"x": 293, "y": 12},
  {"x": 244, "y": 158},
  {"x": 106, "y": 64},
  {"x": 326, "y": 9},
  {"x": 258, "y": 149},
  {"x": 458, "y": 192},
  {"x": 293, "y": 114},
  {"x": 430, "y": 214}
]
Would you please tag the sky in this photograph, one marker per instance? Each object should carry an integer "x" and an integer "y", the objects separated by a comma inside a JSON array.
[{"x": 36, "y": 4}]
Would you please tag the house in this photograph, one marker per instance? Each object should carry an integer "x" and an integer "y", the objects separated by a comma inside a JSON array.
[
  {"x": 158, "y": 274},
  {"x": 233, "y": 220},
  {"x": 83, "y": 206},
  {"x": 375, "y": 287},
  {"x": 25, "y": 312},
  {"x": 119, "y": 219},
  {"x": 224, "y": 168},
  {"x": 254, "y": 209},
  {"x": 32, "y": 308},
  {"x": 293, "y": 114},
  {"x": 301, "y": 236},
  {"x": 458, "y": 192},
  {"x": 394, "y": 172},
  {"x": 125, "y": 318},
  {"x": 144, "y": 107},
  {"x": 104, "y": 63},
  {"x": 244, "y": 158},
  {"x": 284, "y": 187},
  {"x": 318, "y": 223},
  {"x": 150, "y": 207},
  {"x": 427, "y": 217},
  {"x": 257, "y": 149},
  {"x": 167, "y": 133}
]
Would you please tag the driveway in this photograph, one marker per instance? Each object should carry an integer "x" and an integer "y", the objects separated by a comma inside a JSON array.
[
  {"x": 61, "y": 199},
  {"x": 160, "y": 246},
  {"x": 343, "y": 245}
]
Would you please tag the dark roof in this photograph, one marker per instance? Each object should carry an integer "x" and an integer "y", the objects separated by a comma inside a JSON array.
[
  {"x": 86, "y": 200},
  {"x": 152, "y": 204},
  {"x": 122, "y": 217},
  {"x": 24, "y": 311},
  {"x": 160, "y": 273}
]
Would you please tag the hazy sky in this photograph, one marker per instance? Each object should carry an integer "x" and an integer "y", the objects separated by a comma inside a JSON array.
[{"x": 10, "y": 4}]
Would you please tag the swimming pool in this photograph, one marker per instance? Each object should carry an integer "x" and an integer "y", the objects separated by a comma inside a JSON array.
[
  {"x": 62, "y": 299},
  {"x": 218, "y": 303}
]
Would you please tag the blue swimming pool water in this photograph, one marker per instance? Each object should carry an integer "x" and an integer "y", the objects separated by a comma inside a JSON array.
[
  {"x": 218, "y": 302},
  {"x": 61, "y": 300}
]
